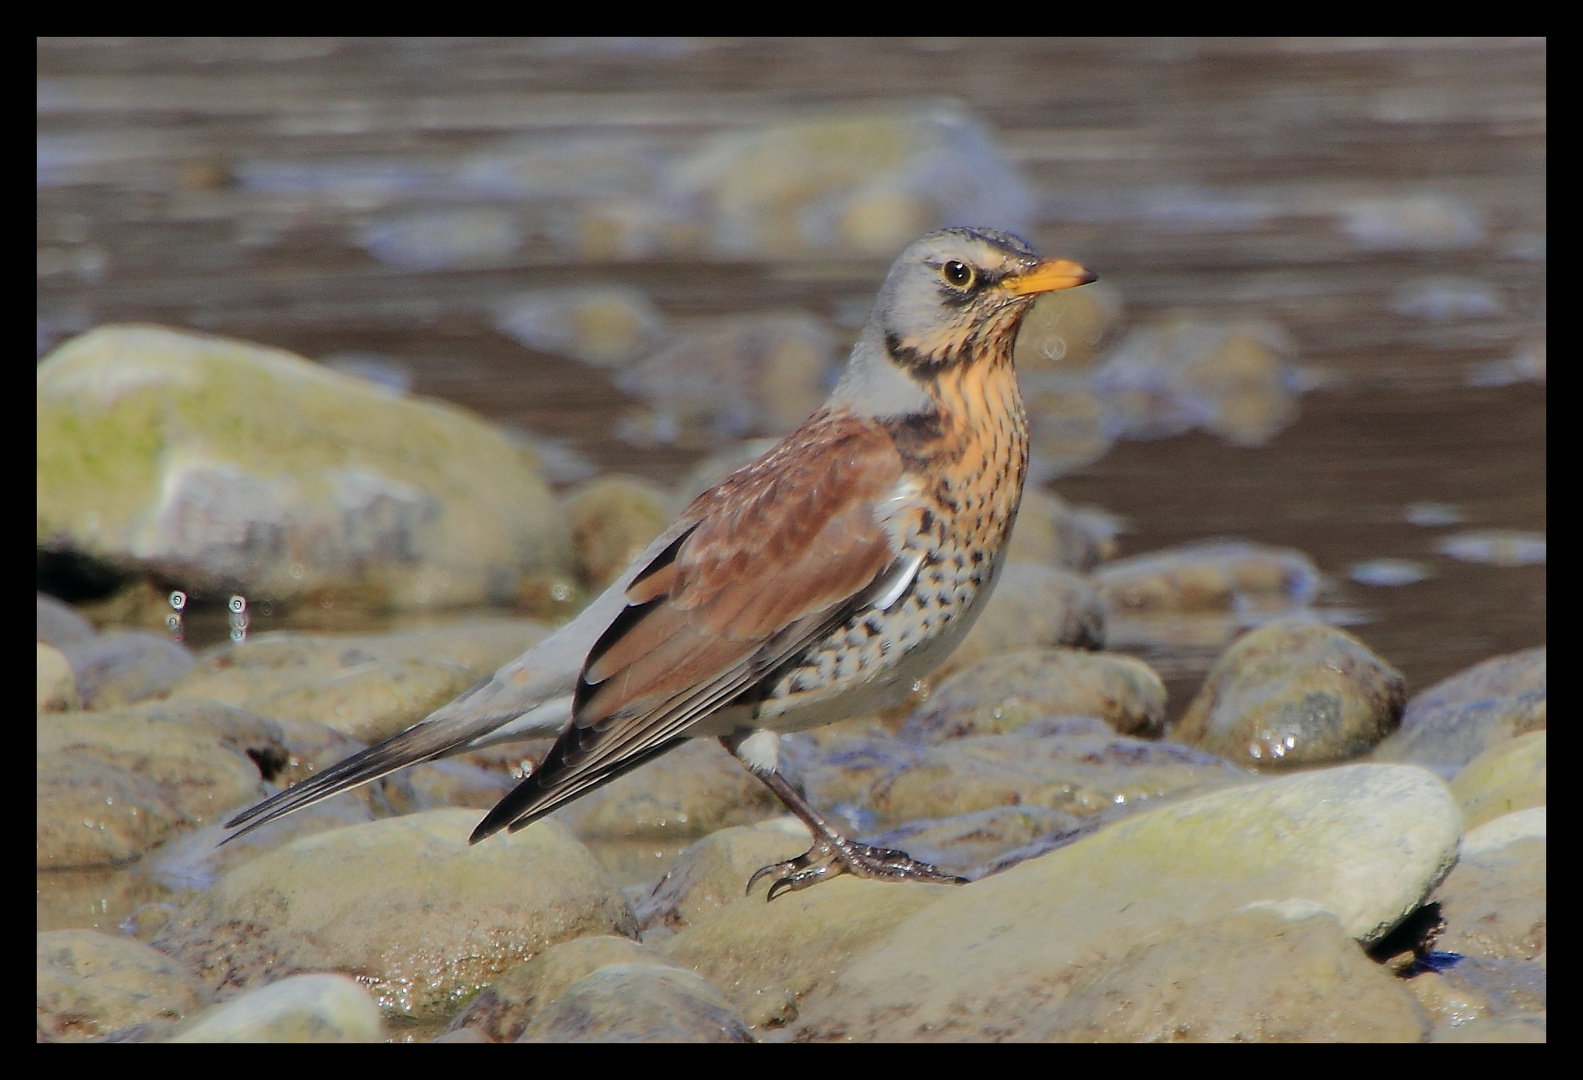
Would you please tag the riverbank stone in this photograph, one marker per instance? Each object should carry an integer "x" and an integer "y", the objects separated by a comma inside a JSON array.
[
  {"x": 93, "y": 985},
  {"x": 404, "y": 905},
  {"x": 1457, "y": 719}
]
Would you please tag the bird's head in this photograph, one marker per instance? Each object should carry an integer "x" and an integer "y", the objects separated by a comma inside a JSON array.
[{"x": 960, "y": 294}]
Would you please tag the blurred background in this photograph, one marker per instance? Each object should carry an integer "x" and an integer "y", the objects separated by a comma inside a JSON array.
[{"x": 1321, "y": 320}]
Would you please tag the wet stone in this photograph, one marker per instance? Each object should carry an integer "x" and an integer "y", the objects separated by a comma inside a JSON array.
[
  {"x": 120, "y": 667},
  {"x": 1003, "y": 693},
  {"x": 504, "y": 1008},
  {"x": 604, "y": 326},
  {"x": 688, "y": 792},
  {"x": 714, "y": 872},
  {"x": 57, "y": 683},
  {"x": 1454, "y": 721},
  {"x": 1497, "y": 547},
  {"x": 1365, "y": 843},
  {"x": 326, "y": 482},
  {"x": 639, "y": 1003},
  {"x": 59, "y": 622},
  {"x": 1291, "y": 694},
  {"x": 1504, "y": 779},
  {"x": 405, "y": 905},
  {"x": 1493, "y": 902},
  {"x": 975, "y": 844},
  {"x": 1209, "y": 576},
  {"x": 1274, "y": 973},
  {"x": 766, "y": 958},
  {"x": 613, "y": 519},
  {"x": 301, "y": 1009},
  {"x": 368, "y": 687},
  {"x": 1078, "y": 766},
  {"x": 93, "y": 985}
]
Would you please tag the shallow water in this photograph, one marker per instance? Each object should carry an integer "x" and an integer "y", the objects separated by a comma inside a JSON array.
[{"x": 261, "y": 190}]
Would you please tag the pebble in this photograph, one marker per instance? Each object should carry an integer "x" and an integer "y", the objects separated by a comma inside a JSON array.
[
  {"x": 1452, "y": 722},
  {"x": 1502, "y": 780},
  {"x": 92, "y": 985},
  {"x": 301, "y": 1009}
]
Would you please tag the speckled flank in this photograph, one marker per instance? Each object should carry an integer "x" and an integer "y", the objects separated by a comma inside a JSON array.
[{"x": 970, "y": 456}]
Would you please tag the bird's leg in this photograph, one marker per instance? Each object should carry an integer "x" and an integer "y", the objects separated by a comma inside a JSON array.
[{"x": 832, "y": 854}]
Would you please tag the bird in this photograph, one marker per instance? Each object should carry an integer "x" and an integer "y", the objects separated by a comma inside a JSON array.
[{"x": 816, "y": 583}]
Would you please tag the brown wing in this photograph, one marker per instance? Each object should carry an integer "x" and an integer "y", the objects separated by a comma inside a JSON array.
[{"x": 778, "y": 551}]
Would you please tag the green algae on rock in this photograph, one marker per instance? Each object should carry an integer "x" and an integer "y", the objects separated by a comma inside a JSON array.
[{"x": 226, "y": 466}]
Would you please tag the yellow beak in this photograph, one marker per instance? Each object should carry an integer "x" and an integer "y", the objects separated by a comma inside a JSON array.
[{"x": 1049, "y": 275}]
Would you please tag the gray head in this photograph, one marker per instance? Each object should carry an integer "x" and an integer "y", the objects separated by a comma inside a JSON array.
[{"x": 953, "y": 296}]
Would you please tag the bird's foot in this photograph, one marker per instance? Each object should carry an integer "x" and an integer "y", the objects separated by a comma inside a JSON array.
[{"x": 827, "y": 859}]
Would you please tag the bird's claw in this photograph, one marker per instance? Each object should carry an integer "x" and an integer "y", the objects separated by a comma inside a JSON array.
[{"x": 827, "y": 860}]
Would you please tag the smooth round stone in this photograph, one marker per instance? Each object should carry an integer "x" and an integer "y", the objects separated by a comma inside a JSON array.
[
  {"x": 1503, "y": 780},
  {"x": 1052, "y": 532},
  {"x": 505, "y": 1007},
  {"x": 1494, "y": 900},
  {"x": 1276, "y": 973},
  {"x": 1366, "y": 843},
  {"x": 228, "y": 466},
  {"x": 985, "y": 841},
  {"x": 603, "y": 326},
  {"x": 613, "y": 519},
  {"x": 59, "y": 622},
  {"x": 120, "y": 667},
  {"x": 1208, "y": 576},
  {"x": 406, "y": 905},
  {"x": 1459, "y": 718},
  {"x": 1003, "y": 693},
  {"x": 92, "y": 984},
  {"x": 766, "y": 957},
  {"x": 1292, "y": 694},
  {"x": 302, "y": 1009},
  {"x": 639, "y": 1003},
  {"x": 57, "y": 683},
  {"x": 1498, "y": 547},
  {"x": 688, "y": 792},
  {"x": 714, "y": 872}
]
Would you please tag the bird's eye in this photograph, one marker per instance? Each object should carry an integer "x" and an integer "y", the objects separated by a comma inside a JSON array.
[{"x": 958, "y": 273}]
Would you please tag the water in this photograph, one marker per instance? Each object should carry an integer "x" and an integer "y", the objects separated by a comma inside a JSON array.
[{"x": 372, "y": 203}]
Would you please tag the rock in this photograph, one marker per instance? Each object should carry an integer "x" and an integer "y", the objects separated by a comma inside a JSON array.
[
  {"x": 1522, "y": 1029},
  {"x": 57, "y": 684},
  {"x": 639, "y": 1003},
  {"x": 1497, "y": 547},
  {"x": 1052, "y": 532},
  {"x": 114, "y": 783},
  {"x": 366, "y": 686},
  {"x": 766, "y": 958},
  {"x": 404, "y": 905},
  {"x": 1457, "y": 719},
  {"x": 327, "y": 483},
  {"x": 1291, "y": 694},
  {"x": 1276, "y": 973},
  {"x": 861, "y": 184},
  {"x": 1214, "y": 575},
  {"x": 97, "y": 898},
  {"x": 92, "y": 985},
  {"x": 613, "y": 519},
  {"x": 1502, "y": 780},
  {"x": 1078, "y": 767},
  {"x": 686, "y": 793},
  {"x": 302, "y": 1009},
  {"x": 504, "y": 1007},
  {"x": 1420, "y": 221},
  {"x": 604, "y": 326},
  {"x": 1003, "y": 693},
  {"x": 1067, "y": 428},
  {"x": 1493, "y": 903},
  {"x": 445, "y": 238},
  {"x": 120, "y": 667},
  {"x": 1366, "y": 843},
  {"x": 60, "y": 623},
  {"x": 1032, "y": 607},
  {"x": 983, "y": 842},
  {"x": 1234, "y": 380},
  {"x": 714, "y": 872},
  {"x": 732, "y": 377}
]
